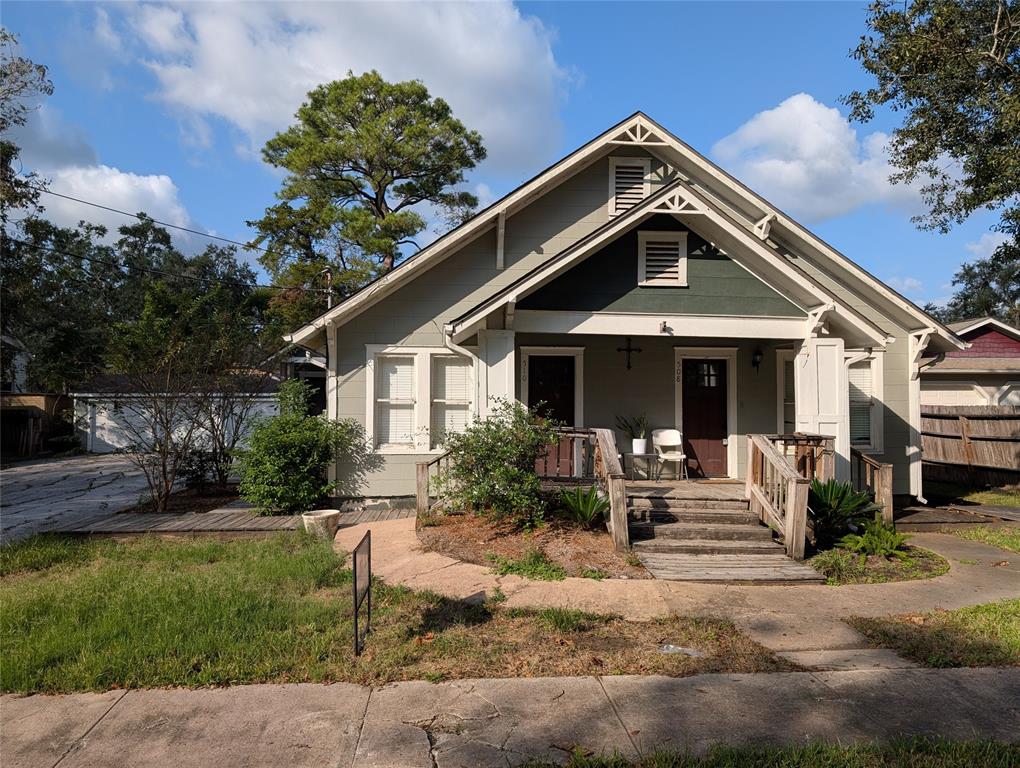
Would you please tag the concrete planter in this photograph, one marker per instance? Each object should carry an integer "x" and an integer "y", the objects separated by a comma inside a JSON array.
[{"x": 322, "y": 522}]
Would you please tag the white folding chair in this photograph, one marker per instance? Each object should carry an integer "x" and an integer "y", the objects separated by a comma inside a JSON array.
[{"x": 669, "y": 447}]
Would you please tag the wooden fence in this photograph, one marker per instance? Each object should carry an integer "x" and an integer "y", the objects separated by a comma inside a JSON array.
[{"x": 976, "y": 444}]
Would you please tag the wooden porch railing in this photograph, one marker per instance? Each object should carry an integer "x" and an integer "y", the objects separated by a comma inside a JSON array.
[
  {"x": 813, "y": 456},
  {"x": 571, "y": 457},
  {"x": 777, "y": 493},
  {"x": 424, "y": 472},
  {"x": 610, "y": 479},
  {"x": 866, "y": 474}
]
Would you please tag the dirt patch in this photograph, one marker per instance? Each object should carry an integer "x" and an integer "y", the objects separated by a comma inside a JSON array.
[
  {"x": 192, "y": 500},
  {"x": 579, "y": 552}
]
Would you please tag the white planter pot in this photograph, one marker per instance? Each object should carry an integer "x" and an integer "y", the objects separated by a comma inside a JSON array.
[
  {"x": 322, "y": 522},
  {"x": 639, "y": 445}
]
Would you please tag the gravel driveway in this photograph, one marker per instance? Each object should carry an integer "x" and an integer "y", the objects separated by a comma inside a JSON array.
[{"x": 37, "y": 495}]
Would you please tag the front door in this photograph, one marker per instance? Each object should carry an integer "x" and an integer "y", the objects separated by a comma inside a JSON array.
[
  {"x": 704, "y": 417},
  {"x": 551, "y": 388}
]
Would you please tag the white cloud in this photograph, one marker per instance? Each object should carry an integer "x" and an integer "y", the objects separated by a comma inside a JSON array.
[
  {"x": 251, "y": 64},
  {"x": 806, "y": 158},
  {"x": 986, "y": 245},
  {"x": 156, "y": 195},
  {"x": 909, "y": 286},
  {"x": 105, "y": 33}
]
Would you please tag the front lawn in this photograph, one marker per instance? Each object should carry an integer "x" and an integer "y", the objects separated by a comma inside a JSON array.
[
  {"x": 841, "y": 567},
  {"x": 1007, "y": 538},
  {"x": 942, "y": 494},
  {"x": 903, "y": 753},
  {"x": 555, "y": 549},
  {"x": 91, "y": 615},
  {"x": 978, "y": 636}
]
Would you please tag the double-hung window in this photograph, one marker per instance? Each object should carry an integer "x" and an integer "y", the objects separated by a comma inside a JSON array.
[
  {"x": 865, "y": 402},
  {"x": 417, "y": 396}
]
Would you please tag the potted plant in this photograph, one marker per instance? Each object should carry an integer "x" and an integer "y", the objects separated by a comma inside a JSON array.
[{"x": 637, "y": 430}]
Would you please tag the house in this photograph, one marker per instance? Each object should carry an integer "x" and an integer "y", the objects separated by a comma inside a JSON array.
[
  {"x": 987, "y": 372},
  {"x": 632, "y": 277}
]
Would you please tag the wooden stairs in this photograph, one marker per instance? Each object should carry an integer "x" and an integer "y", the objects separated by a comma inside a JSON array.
[{"x": 705, "y": 532}]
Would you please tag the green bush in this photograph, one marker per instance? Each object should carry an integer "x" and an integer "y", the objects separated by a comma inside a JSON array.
[
  {"x": 586, "y": 508},
  {"x": 834, "y": 507},
  {"x": 284, "y": 466},
  {"x": 492, "y": 465},
  {"x": 838, "y": 566},
  {"x": 533, "y": 564},
  {"x": 876, "y": 538}
]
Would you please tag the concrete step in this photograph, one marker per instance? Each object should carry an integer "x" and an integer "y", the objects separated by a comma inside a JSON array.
[
  {"x": 707, "y": 547},
  {"x": 667, "y": 503},
  {"x": 717, "y": 516},
  {"x": 694, "y": 530},
  {"x": 726, "y": 569}
]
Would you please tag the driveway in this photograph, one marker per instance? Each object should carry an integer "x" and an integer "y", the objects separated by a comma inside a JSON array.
[{"x": 36, "y": 496}]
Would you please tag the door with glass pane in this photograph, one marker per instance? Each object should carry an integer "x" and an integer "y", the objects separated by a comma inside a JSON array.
[{"x": 704, "y": 417}]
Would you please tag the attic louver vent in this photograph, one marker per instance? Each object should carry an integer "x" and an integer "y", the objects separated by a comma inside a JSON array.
[
  {"x": 628, "y": 182},
  {"x": 662, "y": 258}
]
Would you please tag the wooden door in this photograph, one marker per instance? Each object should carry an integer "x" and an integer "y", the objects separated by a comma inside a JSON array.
[
  {"x": 704, "y": 417},
  {"x": 551, "y": 388}
]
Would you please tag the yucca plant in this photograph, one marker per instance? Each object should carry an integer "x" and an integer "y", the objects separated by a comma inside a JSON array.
[
  {"x": 836, "y": 508},
  {"x": 586, "y": 508},
  {"x": 877, "y": 538}
]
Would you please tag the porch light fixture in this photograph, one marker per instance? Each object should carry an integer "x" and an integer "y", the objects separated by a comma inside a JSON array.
[{"x": 756, "y": 359}]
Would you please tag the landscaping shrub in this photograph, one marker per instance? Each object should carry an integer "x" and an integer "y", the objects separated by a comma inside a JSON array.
[
  {"x": 284, "y": 467},
  {"x": 492, "y": 465},
  {"x": 839, "y": 566},
  {"x": 198, "y": 469},
  {"x": 586, "y": 508},
  {"x": 835, "y": 508},
  {"x": 876, "y": 538}
]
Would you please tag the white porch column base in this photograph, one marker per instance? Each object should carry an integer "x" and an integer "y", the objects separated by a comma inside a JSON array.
[
  {"x": 497, "y": 376},
  {"x": 822, "y": 395}
]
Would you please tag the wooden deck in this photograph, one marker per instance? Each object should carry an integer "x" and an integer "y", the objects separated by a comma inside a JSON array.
[
  {"x": 225, "y": 521},
  {"x": 691, "y": 490}
]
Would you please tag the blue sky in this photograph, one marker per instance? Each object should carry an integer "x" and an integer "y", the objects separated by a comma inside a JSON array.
[{"x": 163, "y": 108}]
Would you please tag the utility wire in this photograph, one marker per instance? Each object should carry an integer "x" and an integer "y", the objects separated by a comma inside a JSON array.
[{"x": 153, "y": 270}]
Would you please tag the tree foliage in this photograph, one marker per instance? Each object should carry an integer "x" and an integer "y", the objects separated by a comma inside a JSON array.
[
  {"x": 361, "y": 159},
  {"x": 986, "y": 287},
  {"x": 952, "y": 67}
]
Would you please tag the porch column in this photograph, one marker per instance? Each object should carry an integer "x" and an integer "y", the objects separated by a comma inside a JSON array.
[
  {"x": 498, "y": 374},
  {"x": 822, "y": 395},
  {"x": 332, "y": 381}
]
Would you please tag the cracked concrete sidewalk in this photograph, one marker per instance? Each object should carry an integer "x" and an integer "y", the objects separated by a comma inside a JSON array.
[
  {"x": 802, "y": 622},
  {"x": 479, "y": 723}
]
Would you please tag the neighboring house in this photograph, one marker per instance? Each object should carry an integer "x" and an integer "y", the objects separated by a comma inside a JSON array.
[
  {"x": 15, "y": 365},
  {"x": 632, "y": 277},
  {"x": 986, "y": 373},
  {"x": 109, "y": 416},
  {"x": 292, "y": 362}
]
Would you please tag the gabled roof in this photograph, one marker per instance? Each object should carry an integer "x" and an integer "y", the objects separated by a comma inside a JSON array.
[
  {"x": 752, "y": 211},
  {"x": 966, "y": 326}
]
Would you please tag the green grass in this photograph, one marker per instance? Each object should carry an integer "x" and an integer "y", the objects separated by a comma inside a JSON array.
[
  {"x": 1003, "y": 538},
  {"x": 902, "y": 753},
  {"x": 92, "y": 615},
  {"x": 943, "y": 493},
  {"x": 534, "y": 564},
  {"x": 840, "y": 566},
  {"x": 980, "y": 635}
]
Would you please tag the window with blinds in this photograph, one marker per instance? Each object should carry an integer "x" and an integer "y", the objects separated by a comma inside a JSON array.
[
  {"x": 662, "y": 258},
  {"x": 861, "y": 392},
  {"x": 394, "y": 400},
  {"x": 451, "y": 397},
  {"x": 628, "y": 183}
]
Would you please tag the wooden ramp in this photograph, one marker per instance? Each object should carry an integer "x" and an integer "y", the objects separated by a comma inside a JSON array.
[{"x": 703, "y": 531}]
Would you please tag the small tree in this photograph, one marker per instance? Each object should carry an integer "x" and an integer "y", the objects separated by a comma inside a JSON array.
[
  {"x": 492, "y": 464},
  {"x": 284, "y": 467}
]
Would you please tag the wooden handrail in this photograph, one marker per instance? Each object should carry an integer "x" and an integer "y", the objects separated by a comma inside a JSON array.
[
  {"x": 866, "y": 474},
  {"x": 423, "y": 472},
  {"x": 777, "y": 493},
  {"x": 610, "y": 479}
]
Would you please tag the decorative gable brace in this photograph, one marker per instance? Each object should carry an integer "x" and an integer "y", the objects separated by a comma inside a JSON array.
[{"x": 638, "y": 133}]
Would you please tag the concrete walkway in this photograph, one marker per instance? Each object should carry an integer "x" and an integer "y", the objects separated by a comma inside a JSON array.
[
  {"x": 803, "y": 622},
  {"x": 480, "y": 723},
  {"x": 37, "y": 496}
]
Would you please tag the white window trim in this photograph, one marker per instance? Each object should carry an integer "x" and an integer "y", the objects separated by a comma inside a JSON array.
[
  {"x": 784, "y": 356},
  {"x": 645, "y": 163},
  {"x": 877, "y": 360},
  {"x": 674, "y": 237},
  {"x": 578, "y": 354},
  {"x": 422, "y": 396},
  {"x": 729, "y": 355}
]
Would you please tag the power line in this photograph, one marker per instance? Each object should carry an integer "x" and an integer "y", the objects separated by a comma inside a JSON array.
[
  {"x": 247, "y": 246},
  {"x": 154, "y": 270}
]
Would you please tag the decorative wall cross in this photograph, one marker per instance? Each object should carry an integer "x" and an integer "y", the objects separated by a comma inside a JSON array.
[{"x": 628, "y": 349}]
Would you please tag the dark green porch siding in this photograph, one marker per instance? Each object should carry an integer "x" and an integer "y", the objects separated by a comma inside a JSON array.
[{"x": 607, "y": 282}]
